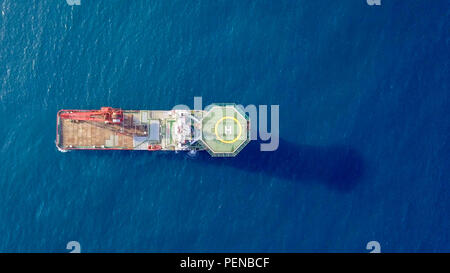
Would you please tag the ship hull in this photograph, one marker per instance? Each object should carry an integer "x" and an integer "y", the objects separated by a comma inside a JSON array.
[{"x": 222, "y": 130}]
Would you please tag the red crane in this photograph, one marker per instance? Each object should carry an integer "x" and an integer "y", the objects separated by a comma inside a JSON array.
[{"x": 107, "y": 115}]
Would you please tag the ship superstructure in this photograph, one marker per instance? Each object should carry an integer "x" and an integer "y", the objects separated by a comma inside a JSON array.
[{"x": 222, "y": 130}]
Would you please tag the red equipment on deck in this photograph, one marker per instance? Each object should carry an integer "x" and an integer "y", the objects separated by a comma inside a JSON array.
[
  {"x": 154, "y": 147},
  {"x": 105, "y": 114}
]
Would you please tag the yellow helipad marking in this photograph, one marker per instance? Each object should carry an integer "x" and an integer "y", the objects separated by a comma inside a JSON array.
[{"x": 228, "y": 141}]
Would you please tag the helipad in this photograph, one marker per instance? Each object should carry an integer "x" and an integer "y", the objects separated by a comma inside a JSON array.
[{"x": 225, "y": 130}]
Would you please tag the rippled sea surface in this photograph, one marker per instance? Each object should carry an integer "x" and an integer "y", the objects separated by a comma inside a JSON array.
[{"x": 364, "y": 125}]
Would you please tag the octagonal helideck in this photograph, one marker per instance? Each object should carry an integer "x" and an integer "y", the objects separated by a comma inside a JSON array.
[{"x": 225, "y": 130}]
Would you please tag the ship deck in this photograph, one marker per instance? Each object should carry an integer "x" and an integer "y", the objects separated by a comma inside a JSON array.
[
  {"x": 91, "y": 135},
  {"x": 222, "y": 130}
]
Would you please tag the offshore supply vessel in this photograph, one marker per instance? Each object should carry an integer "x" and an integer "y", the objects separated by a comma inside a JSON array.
[{"x": 220, "y": 129}]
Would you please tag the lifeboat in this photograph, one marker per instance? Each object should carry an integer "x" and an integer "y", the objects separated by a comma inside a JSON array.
[{"x": 154, "y": 147}]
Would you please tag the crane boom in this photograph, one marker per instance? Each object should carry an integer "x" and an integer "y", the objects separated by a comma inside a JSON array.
[{"x": 106, "y": 115}]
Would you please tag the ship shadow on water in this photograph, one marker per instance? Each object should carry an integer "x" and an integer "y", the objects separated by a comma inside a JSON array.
[{"x": 340, "y": 167}]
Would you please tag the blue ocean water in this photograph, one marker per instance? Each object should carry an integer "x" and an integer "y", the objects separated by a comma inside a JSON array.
[{"x": 364, "y": 123}]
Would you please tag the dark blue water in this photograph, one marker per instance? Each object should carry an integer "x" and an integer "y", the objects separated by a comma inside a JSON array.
[{"x": 364, "y": 108}]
